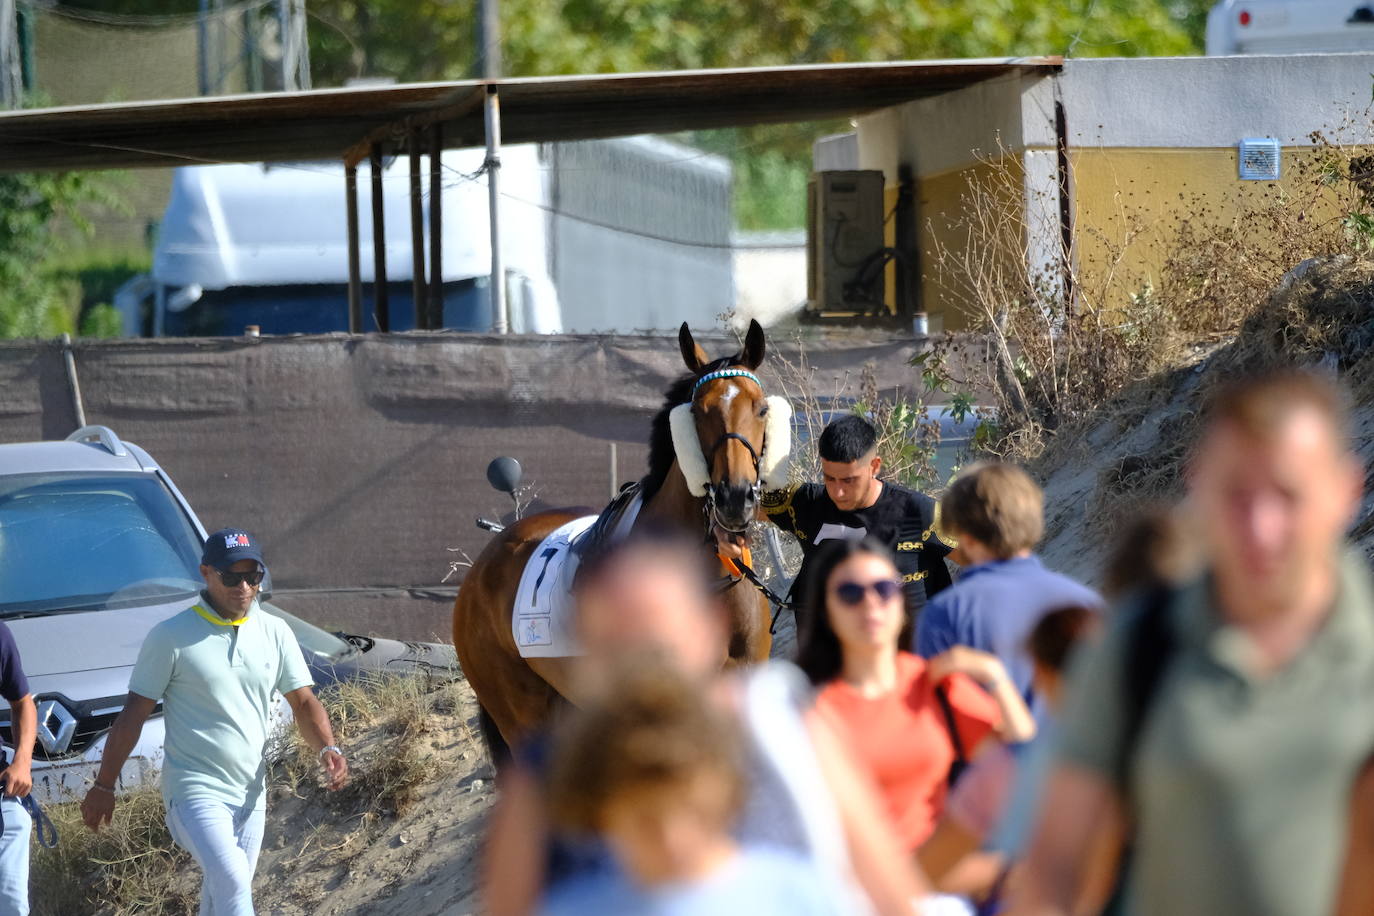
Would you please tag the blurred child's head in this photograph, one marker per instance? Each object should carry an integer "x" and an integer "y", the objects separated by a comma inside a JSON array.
[
  {"x": 654, "y": 768},
  {"x": 1150, "y": 550},
  {"x": 1052, "y": 644}
]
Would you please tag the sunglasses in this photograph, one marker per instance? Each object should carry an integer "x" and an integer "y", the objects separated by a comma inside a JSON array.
[
  {"x": 852, "y": 593},
  {"x": 232, "y": 579}
]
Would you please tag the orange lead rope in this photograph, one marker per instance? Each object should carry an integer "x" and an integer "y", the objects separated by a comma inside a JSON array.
[{"x": 728, "y": 567}]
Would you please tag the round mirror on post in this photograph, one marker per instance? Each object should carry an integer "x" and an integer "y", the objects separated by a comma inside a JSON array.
[{"x": 504, "y": 474}]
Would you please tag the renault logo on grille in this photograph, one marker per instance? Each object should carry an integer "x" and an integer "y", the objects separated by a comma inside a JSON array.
[{"x": 56, "y": 726}]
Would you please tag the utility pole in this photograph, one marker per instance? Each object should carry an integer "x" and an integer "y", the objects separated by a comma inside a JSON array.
[
  {"x": 489, "y": 63},
  {"x": 203, "y": 47},
  {"x": 11, "y": 70},
  {"x": 295, "y": 51}
]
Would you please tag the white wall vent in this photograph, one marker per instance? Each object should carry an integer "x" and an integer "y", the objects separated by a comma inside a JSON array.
[{"x": 1259, "y": 160}]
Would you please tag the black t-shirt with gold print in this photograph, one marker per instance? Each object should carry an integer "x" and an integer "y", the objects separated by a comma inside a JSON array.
[{"x": 905, "y": 520}]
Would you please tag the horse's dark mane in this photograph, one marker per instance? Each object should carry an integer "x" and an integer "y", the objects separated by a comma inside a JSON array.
[{"x": 661, "y": 452}]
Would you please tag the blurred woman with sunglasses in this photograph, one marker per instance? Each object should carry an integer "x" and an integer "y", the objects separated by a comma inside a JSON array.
[{"x": 910, "y": 723}]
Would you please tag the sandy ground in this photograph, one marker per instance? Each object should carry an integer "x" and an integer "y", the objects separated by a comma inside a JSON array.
[{"x": 321, "y": 862}]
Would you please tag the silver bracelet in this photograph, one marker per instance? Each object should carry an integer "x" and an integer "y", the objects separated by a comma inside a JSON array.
[{"x": 329, "y": 747}]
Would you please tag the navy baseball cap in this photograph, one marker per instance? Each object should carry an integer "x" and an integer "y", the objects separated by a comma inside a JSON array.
[{"x": 227, "y": 546}]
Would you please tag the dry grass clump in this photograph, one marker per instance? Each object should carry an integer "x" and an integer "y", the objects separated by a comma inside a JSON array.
[
  {"x": 130, "y": 866},
  {"x": 1321, "y": 315},
  {"x": 382, "y": 721}
]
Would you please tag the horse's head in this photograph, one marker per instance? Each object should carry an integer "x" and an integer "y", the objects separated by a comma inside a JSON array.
[{"x": 730, "y": 439}]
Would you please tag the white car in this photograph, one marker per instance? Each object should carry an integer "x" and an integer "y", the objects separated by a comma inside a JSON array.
[{"x": 97, "y": 546}]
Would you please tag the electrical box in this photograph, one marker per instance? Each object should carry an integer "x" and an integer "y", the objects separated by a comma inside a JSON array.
[{"x": 845, "y": 253}]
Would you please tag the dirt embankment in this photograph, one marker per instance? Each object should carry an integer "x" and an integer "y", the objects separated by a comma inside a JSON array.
[
  {"x": 404, "y": 838},
  {"x": 1132, "y": 452}
]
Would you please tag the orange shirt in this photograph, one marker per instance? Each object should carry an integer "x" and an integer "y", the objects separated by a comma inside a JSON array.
[{"x": 902, "y": 741}]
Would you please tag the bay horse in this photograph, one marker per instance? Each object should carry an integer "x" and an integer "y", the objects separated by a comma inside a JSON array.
[{"x": 709, "y": 454}]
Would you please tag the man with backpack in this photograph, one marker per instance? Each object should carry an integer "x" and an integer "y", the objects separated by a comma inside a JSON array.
[{"x": 1224, "y": 720}]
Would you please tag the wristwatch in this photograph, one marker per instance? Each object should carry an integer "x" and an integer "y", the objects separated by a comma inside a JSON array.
[{"x": 330, "y": 747}]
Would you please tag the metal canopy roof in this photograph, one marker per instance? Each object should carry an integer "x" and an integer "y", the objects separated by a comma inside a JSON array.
[{"x": 331, "y": 123}]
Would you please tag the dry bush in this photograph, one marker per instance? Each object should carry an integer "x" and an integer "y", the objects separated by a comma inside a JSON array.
[
  {"x": 130, "y": 866},
  {"x": 907, "y": 425},
  {"x": 1321, "y": 316},
  {"x": 1057, "y": 343},
  {"x": 382, "y": 719}
]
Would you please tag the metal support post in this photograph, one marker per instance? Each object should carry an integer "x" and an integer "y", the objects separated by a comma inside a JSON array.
[
  {"x": 436, "y": 227},
  {"x": 295, "y": 52},
  {"x": 417, "y": 236},
  {"x": 497, "y": 284},
  {"x": 203, "y": 48},
  {"x": 11, "y": 66},
  {"x": 355, "y": 271},
  {"x": 381, "y": 308},
  {"x": 11, "y": 56},
  {"x": 78, "y": 405},
  {"x": 285, "y": 36}
]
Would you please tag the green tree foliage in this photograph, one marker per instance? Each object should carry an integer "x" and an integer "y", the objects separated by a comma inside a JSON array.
[
  {"x": 36, "y": 301},
  {"x": 433, "y": 39}
]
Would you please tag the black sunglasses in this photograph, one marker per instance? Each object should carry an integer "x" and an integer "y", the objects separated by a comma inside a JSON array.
[
  {"x": 232, "y": 579},
  {"x": 853, "y": 592}
]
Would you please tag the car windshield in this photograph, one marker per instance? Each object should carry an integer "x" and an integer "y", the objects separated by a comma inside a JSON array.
[{"x": 72, "y": 542}]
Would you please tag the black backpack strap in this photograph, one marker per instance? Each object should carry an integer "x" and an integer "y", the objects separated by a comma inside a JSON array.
[
  {"x": 960, "y": 764},
  {"x": 1150, "y": 649}
]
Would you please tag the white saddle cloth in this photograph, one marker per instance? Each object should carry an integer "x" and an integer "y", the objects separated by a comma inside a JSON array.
[{"x": 542, "y": 619}]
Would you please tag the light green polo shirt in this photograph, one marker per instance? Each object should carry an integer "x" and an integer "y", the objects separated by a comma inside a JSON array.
[
  {"x": 217, "y": 686},
  {"x": 1241, "y": 783}
]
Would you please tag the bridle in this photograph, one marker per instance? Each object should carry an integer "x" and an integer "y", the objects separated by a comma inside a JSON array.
[{"x": 711, "y": 517}]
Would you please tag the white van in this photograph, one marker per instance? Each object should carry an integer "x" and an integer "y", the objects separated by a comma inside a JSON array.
[{"x": 1290, "y": 26}]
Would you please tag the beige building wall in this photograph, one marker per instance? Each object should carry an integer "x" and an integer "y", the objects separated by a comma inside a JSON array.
[
  {"x": 958, "y": 144},
  {"x": 1152, "y": 141}
]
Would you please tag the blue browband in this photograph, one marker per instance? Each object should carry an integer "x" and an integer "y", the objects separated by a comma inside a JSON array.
[{"x": 725, "y": 373}]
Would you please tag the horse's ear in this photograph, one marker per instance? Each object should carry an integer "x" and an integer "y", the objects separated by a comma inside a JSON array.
[
  {"x": 692, "y": 354},
  {"x": 751, "y": 356}
]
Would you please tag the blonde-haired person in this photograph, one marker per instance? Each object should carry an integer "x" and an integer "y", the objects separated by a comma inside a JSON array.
[
  {"x": 996, "y": 513},
  {"x": 656, "y": 767}
]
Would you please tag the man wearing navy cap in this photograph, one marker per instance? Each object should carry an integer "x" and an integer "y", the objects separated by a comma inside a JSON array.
[{"x": 216, "y": 667}]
